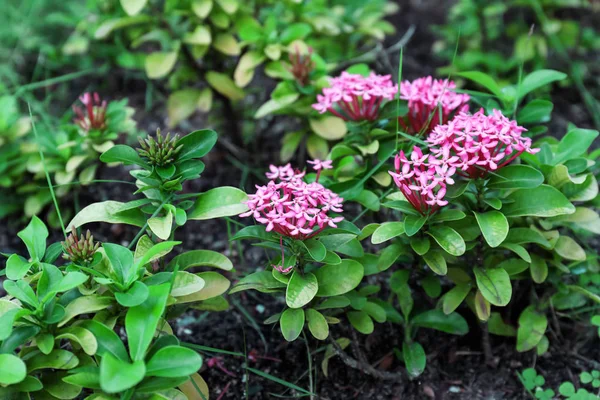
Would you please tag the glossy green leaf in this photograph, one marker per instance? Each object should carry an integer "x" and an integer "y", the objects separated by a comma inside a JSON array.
[
  {"x": 338, "y": 279},
  {"x": 219, "y": 202},
  {"x": 532, "y": 327},
  {"x": 448, "y": 239},
  {"x": 493, "y": 225},
  {"x": 118, "y": 375},
  {"x": 542, "y": 201},
  {"x": 387, "y": 231},
  {"x": 141, "y": 321},
  {"x": 34, "y": 236},
  {"x": 516, "y": 177},
  {"x": 452, "y": 323},
  {"x": 121, "y": 153},
  {"x": 414, "y": 358},
  {"x": 317, "y": 324},
  {"x": 436, "y": 262},
  {"x": 12, "y": 369},
  {"x": 201, "y": 258},
  {"x": 108, "y": 341},
  {"x": 261, "y": 281},
  {"x": 413, "y": 224},
  {"x": 494, "y": 284},
  {"x": 301, "y": 289},
  {"x": 136, "y": 295},
  {"x": 291, "y": 323},
  {"x": 454, "y": 297},
  {"x": 173, "y": 361},
  {"x": 361, "y": 321}
]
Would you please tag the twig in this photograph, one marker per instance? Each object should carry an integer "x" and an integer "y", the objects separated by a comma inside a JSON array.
[
  {"x": 487, "y": 347},
  {"x": 364, "y": 367}
]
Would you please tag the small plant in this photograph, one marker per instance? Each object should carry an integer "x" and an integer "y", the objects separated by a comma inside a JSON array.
[{"x": 534, "y": 384}]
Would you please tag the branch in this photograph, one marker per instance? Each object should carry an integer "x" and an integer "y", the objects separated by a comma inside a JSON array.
[{"x": 365, "y": 368}]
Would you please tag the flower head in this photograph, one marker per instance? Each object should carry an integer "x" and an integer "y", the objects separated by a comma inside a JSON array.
[
  {"x": 284, "y": 173},
  {"x": 423, "y": 96},
  {"x": 355, "y": 97},
  {"x": 302, "y": 65},
  {"x": 476, "y": 144},
  {"x": 80, "y": 250},
  {"x": 422, "y": 180},
  {"x": 94, "y": 115},
  {"x": 161, "y": 151},
  {"x": 292, "y": 207}
]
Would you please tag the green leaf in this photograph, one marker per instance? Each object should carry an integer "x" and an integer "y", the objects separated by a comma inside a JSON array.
[
  {"x": 121, "y": 260},
  {"x": 448, "y": 239},
  {"x": 538, "y": 269},
  {"x": 494, "y": 284},
  {"x": 133, "y": 7},
  {"x": 58, "y": 359},
  {"x": 452, "y": 323},
  {"x": 215, "y": 285},
  {"x": 387, "y": 231},
  {"x": 110, "y": 212},
  {"x": 414, "y": 358},
  {"x": 301, "y": 289},
  {"x": 136, "y": 295},
  {"x": 12, "y": 369},
  {"x": 537, "y": 79},
  {"x": 569, "y": 249},
  {"x": 403, "y": 206},
  {"x": 454, "y": 297},
  {"x": 219, "y": 202},
  {"x": 17, "y": 267},
  {"x": 119, "y": 375},
  {"x": 296, "y": 31},
  {"x": 141, "y": 321},
  {"x": 22, "y": 291},
  {"x": 532, "y": 327},
  {"x": 575, "y": 143},
  {"x": 146, "y": 251},
  {"x": 224, "y": 85},
  {"x": 329, "y": 127},
  {"x": 291, "y": 323},
  {"x": 361, "y": 321},
  {"x": 497, "y": 326},
  {"x": 484, "y": 80},
  {"x": 518, "y": 250},
  {"x": 420, "y": 245},
  {"x": 316, "y": 249},
  {"x": 535, "y": 112},
  {"x": 108, "y": 341},
  {"x": 201, "y": 258},
  {"x": 543, "y": 201},
  {"x": 516, "y": 177},
  {"x": 375, "y": 311},
  {"x": 121, "y": 153},
  {"x": 317, "y": 324},
  {"x": 196, "y": 144},
  {"x": 107, "y": 27},
  {"x": 527, "y": 235},
  {"x": 182, "y": 104},
  {"x": 160, "y": 63},
  {"x": 339, "y": 278},
  {"x": 161, "y": 226},
  {"x": 173, "y": 361},
  {"x": 413, "y": 224},
  {"x": 261, "y": 281},
  {"x": 81, "y": 336},
  {"x": 436, "y": 262},
  {"x": 34, "y": 236},
  {"x": 493, "y": 225},
  {"x": 85, "y": 305}
]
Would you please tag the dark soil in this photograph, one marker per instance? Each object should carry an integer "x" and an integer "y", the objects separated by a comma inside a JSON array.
[{"x": 456, "y": 368}]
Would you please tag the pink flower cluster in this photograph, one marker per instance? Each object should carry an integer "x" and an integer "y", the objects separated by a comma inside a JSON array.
[
  {"x": 94, "y": 115},
  {"x": 422, "y": 180},
  {"x": 354, "y": 97},
  {"x": 469, "y": 146},
  {"x": 423, "y": 96},
  {"x": 292, "y": 207},
  {"x": 476, "y": 144}
]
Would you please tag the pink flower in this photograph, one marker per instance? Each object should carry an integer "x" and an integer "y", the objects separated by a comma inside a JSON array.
[
  {"x": 476, "y": 144},
  {"x": 424, "y": 95},
  {"x": 422, "y": 180},
  {"x": 292, "y": 207},
  {"x": 319, "y": 165},
  {"x": 94, "y": 115},
  {"x": 355, "y": 97}
]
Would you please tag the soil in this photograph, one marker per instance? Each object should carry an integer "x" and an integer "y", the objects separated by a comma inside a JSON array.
[{"x": 456, "y": 368}]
